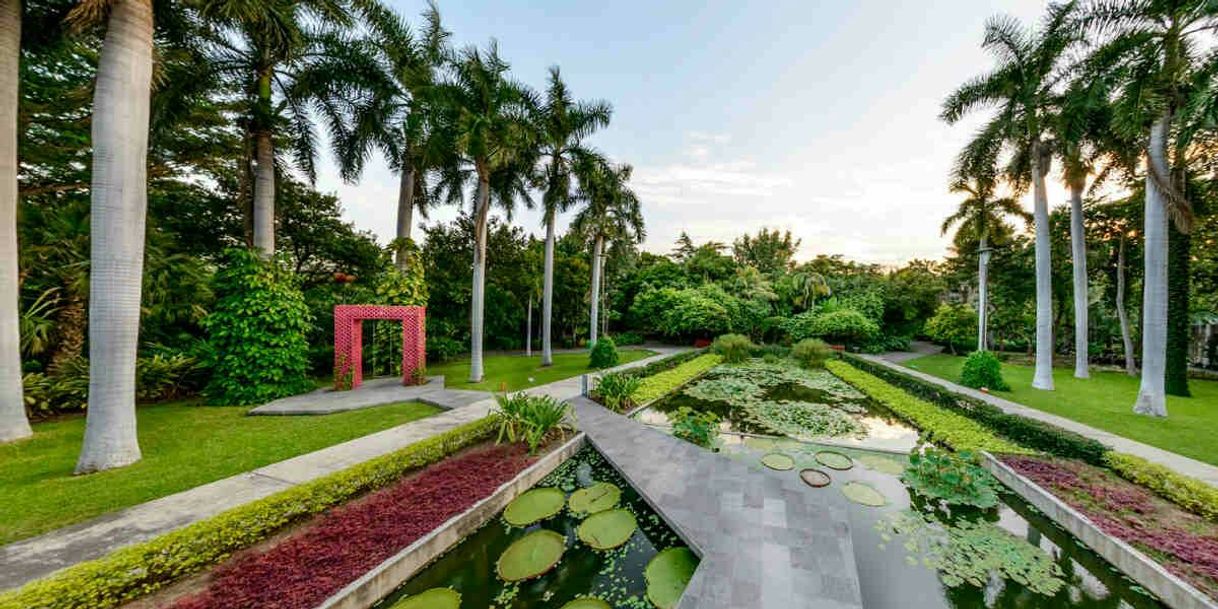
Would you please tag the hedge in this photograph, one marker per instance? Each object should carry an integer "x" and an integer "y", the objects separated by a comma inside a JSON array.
[
  {"x": 661, "y": 365},
  {"x": 1032, "y": 433},
  {"x": 660, "y": 384},
  {"x": 138, "y": 570},
  {"x": 939, "y": 424},
  {"x": 1189, "y": 493}
]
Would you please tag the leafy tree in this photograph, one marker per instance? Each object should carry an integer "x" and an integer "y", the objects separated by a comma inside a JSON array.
[
  {"x": 954, "y": 326},
  {"x": 770, "y": 251},
  {"x": 611, "y": 212}
]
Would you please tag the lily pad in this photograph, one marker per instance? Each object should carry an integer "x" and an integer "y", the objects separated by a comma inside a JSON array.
[
  {"x": 596, "y": 498},
  {"x": 435, "y": 598},
  {"x": 863, "y": 494},
  {"x": 884, "y": 465},
  {"x": 607, "y": 530},
  {"x": 778, "y": 461},
  {"x": 587, "y": 603},
  {"x": 834, "y": 460},
  {"x": 531, "y": 556},
  {"x": 534, "y": 506},
  {"x": 667, "y": 575},
  {"x": 814, "y": 477}
]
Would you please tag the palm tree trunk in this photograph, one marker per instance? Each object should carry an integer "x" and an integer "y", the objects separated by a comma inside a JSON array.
[
  {"x": 547, "y": 297},
  {"x": 983, "y": 292},
  {"x": 264, "y": 193},
  {"x": 1078, "y": 256},
  {"x": 478, "y": 299},
  {"x": 120, "y": 204},
  {"x": 13, "y": 423},
  {"x": 1151, "y": 394},
  {"x": 1179, "y": 328},
  {"x": 1043, "y": 378},
  {"x": 596, "y": 289},
  {"x": 405, "y": 211},
  {"x": 528, "y": 330},
  {"x": 1131, "y": 367}
]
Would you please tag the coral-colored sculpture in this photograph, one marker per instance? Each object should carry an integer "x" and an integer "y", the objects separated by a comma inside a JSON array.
[{"x": 349, "y": 340}]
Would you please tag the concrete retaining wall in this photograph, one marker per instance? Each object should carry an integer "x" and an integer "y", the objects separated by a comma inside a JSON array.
[
  {"x": 386, "y": 577},
  {"x": 1173, "y": 591}
]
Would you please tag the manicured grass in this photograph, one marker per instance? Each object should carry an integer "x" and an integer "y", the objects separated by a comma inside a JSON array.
[
  {"x": 1106, "y": 401},
  {"x": 515, "y": 372},
  {"x": 184, "y": 446}
]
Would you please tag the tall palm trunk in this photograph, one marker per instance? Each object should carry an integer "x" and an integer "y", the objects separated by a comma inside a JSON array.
[
  {"x": 1131, "y": 367},
  {"x": 1043, "y": 378},
  {"x": 405, "y": 210},
  {"x": 594, "y": 325},
  {"x": 477, "y": 301},
  {"x": 120, "y": 204},
  {"x": 528, "y": 330},
  {"x": 1151, "y": 397},
  {"x": 264, "y": 193},
  {"x": 1078, "y": 258},
  {"x": 547, "y": 297},
  {"x": 983, "y": 292},
  {"x": 13, "y": 424}
]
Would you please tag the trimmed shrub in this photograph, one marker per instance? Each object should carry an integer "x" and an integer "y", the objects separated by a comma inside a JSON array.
[
  {"x": 811, "y": 353},
  {"x": 1189, "y": 493},
  {"x": 983, "y": 370},
  {"x": 604, "y": 354},
  {"x": 734, "y": 348},
  {"x": 660, "y": 365},
  {"x": 656, "y": 386},
  {"x": 141, "y": 569}
]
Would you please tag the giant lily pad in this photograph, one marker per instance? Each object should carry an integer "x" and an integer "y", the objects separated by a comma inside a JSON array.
[
  {"x": 531, "y": 556},
  {"x": 834, "y": 460},
  {"x": 814, "y": 477},
  {"x": 884, "y": 465},
  {"x": 608, "y": 529},
  {"x": 667, "y": 575},
  {"x": 596, "y": 498},
  {"x": 778, "y": 461},
  {"x": 587, "y": 602},
  {"x": 534, "y": 506},
  {"x": 863, "y": 494},
  {"x": 435, "y": 598}
]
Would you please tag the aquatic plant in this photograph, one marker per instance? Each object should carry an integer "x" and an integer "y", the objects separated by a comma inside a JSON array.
[
  {"x": 863, "y": 494},
  {"x": 435, "y": 598},
  {"x": 596, "y": 498},
  {"x": 730, "y": 389},
  {"x": 778, "y": 461},
  {"x": 534, "y": 506},
  {"x": 734, "y": 348},
  {"x": 608, "y": 529},
  {"x": 667, "y": 575},
  {"x": 696, "y": 427},
  {"x": 800, "y": 419},
  {"x": 531, "y": 556},
  {"x": 814, "y": 477},
  {"x": 955, "y": 479},
  {"x": 587, "y": 602},
  {"x": 834, "y": 460},
  {"x": 662, "y": 383}
]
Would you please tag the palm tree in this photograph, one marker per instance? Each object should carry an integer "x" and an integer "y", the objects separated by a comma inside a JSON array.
[
  {"x": 13, "y": 422},
  {"x": 563, "y": 123},
  {"x": 611, "y": 212},
  {"x": 1151, "y": 49},
  {"x": 121, "y": 103},
  {"x": 976, "y": 216},
  {"x": 1022, "y": 87},
  {"x": 489, "y": 117}
]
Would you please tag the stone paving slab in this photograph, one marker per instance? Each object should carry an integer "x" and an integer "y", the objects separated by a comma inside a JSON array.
[
  {"x": 766, "y": 540},
  {"x": 449, "y": 399},
  {"x": 374, "y": 392},
  {"x": 1181, "y": 464}
]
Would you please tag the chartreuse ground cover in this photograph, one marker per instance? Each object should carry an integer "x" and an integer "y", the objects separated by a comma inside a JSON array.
[
  {"x": 1105, "y": 401},
  {"x": 515, "y": 372},
  {"x": 184, "y": 445}
]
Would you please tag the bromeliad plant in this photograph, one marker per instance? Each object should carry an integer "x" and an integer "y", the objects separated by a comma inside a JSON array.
[
  {"x": 530, "y": 418},
  {"x": 616, "y": 391},
  {"x": 953, "y": 479}
]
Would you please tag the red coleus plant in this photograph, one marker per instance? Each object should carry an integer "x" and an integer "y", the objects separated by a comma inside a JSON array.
[{"x": 341, "y": 545}]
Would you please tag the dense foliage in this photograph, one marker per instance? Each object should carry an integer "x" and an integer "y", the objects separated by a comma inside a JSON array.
[
  {"x": 694, "y": 426},
  {"x": 811, "y": 353},
  {"x": 952, "y": 478},
  {"x": 983, "y": 370},
  {"x": 604, "y": 354}
]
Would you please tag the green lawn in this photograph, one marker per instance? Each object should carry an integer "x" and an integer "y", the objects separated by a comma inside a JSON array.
[
  {"x": 1106, "y": 401},
  {"x": 515, "y": 372},
  {"x": 184, "y": 446}
]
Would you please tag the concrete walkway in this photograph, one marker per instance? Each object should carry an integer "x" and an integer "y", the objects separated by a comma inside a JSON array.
[
  {"x": 917, "y": 349},
  {"x": 767, "y": 541},
  {"x": 37, "y": 557},
  {"x": 1179, "y": 463},
  {"x": 374, "y": 392}
]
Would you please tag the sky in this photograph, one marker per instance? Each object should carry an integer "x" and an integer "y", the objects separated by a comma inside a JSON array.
[{"x": 817, "y": 117}]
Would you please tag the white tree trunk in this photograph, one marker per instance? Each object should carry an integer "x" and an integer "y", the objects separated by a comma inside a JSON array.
[
  {"x": 1152, "y": 398},
  {"x": 1078, "y": 259},
  {"x": 983, "y": 291},
  {"x": 528, "y": 330},
  {"x": 547, "y": 297},
  {"x": 405, "y": 211},
  {"x": 478, "y": 298},
  {"x": 594, "y": 324},
  {"x": 1043, "y": 378},
  {"x": 120, "y": 204},
  {"x": 1131, "y": 367},
  {"x": 13, "y": 423},
  {"x": 264, "y": 193}
]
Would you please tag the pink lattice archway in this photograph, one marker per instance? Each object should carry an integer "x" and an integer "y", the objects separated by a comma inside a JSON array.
[{"x": 349, "y": 340}]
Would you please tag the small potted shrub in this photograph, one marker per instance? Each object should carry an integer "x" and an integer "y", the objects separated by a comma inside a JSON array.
[{"x": 982, "y": 370}]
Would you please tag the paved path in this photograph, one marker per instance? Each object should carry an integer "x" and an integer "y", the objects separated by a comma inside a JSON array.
[
  {"x": 38, "y": 557},
  {"x": 766, "y": 540},
  {"x": 917, "y": 349},
  {"x": 1180, "y": 463},
  {"x": 374, "y": 392}
]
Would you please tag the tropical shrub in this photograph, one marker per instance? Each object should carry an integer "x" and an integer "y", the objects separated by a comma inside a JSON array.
[
  {"x": 441, "y": 348},
  {"x": 733, "y": 348},
  {"x": 954, "y": 479},
  {"x": 1189, "y": 493},
  {"x": 256, "y": 333},
  {"x": 616, "y": 391},
  {"x": 695, "y": 427},
  {"x": 954, "y": 326},
  {"x": 604, "y": 354},
  {"x": 629, "y": 338},
  {"x": 811, "y": 353},
  {"x": 664, "y": 382},
  {"x": 846, "y": 326},
  {"x": 159, "y": 377},
  {"x": 983, "y": 370},
  {"x": 799, "y": 327},
  {"x": 529, "y": 418},
  {"x": 163, "y": 377}
]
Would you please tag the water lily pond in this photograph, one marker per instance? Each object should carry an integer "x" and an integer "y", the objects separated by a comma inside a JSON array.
[{"x": 582, "y": 538}]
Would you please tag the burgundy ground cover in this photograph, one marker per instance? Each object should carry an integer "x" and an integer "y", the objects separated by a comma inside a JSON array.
[
  {"x": 306, "y": 568},
  {"x": 1184, "y": 543}
]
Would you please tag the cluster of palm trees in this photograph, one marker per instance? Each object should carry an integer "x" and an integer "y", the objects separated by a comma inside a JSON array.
[
  {"x": 453, "y": 123},
  {"x": 1122, "y": 89}
]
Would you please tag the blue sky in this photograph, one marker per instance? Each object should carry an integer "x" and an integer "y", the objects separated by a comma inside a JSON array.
[{"x": 817, "y": 117}]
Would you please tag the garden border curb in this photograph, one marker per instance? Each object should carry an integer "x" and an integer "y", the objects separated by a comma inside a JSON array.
[
  {"x": 1171, "y": 590},
  {"x": 383, "y": 579}
]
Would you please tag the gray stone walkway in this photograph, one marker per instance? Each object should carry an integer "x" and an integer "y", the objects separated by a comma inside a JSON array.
[
  {"x": 766, "y": 540},
  {"x": 1180, "y": 463},
  {"x": 917, "y": 349},
  {"x": 374, "y": 392}
]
